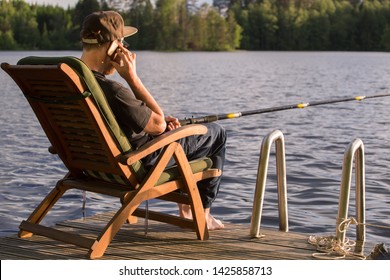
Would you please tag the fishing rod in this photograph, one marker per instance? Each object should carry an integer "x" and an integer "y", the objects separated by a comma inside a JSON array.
[{"x": 213, "y": 118}]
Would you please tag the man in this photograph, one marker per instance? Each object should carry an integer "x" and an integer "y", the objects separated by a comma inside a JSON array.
[{"x": 136, "y": 110}]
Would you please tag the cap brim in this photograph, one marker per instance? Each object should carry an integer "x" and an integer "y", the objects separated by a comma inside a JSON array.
[{"x": 129, "y": 30}]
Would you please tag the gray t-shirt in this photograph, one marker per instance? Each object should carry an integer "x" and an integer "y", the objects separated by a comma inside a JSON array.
[{"x": 131, "y": 114}]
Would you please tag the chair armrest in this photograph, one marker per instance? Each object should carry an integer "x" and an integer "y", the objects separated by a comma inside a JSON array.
[{"x": 161, "y": 141}]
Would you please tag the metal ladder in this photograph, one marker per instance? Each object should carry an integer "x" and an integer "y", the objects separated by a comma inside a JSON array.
[
  {"x": 277, "y": 137},
  {"x": 354, "y": 150}
]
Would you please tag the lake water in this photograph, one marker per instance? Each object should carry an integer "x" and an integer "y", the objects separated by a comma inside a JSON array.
[{"x": 197, "y": 84}]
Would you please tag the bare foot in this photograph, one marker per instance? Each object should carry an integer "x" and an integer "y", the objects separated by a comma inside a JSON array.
[
  {"x": 185, "y": 211},
  {"x": 212, "y": 223}
]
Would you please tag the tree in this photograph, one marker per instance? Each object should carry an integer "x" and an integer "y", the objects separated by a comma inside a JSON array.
[
  {"x": 234, "y": 32},
  {"x": 54, "y": 25},
  {"x": 342, "y": 31},
  {"x": 170, "y": 18},
  {"x": 141, "y": 16},
  {"x": 370, "y": 26},
  {"x": 385, "y": 41},
  {"x": 82, "y": 9},
  {"x": 7, "y": 40},
  {"x": 24, "y": 25},
  {"x": 241, "y": 15},
  {"x": 216, "y": 32}
]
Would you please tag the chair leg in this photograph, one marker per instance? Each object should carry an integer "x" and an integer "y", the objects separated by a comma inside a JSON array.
[
  {"x": 131, "y": 202},
  {"x": 114, "y": 225},
  {"x": 43, "y": 208},
  {"x": 193, "y": 194}
]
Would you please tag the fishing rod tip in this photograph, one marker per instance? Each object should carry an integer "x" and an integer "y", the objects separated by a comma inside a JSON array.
[
  {"x": 360, "y": 97},
  {"x": 302, "y": 105}
]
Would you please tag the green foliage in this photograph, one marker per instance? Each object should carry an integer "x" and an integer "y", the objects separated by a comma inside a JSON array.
[
  {"x": 385, "y": 42},
  {"x": 141, "y": 15},
  {"x": 54, "y": 26},
  {"x": 18, "y": 26},
  {"x": 358, "y": 25}
]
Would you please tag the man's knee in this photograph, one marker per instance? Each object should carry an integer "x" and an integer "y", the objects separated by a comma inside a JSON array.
[{"x": 218, "y": 132}]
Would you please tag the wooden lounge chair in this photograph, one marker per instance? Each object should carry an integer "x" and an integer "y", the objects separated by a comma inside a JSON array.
[{"x": 83, "y": 132}]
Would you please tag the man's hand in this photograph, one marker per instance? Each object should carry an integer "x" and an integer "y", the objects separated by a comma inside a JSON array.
[
  {"x": 172, "y": 123},
  {"x": 125, "y": 64},
  {"x": 157, "y": 123}
]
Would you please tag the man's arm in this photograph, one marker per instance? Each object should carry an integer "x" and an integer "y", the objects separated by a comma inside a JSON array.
[{"x": 127, "y": 70}]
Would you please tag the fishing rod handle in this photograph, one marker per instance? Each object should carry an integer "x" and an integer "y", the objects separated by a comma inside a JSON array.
[{"x": 206, "y": 119}]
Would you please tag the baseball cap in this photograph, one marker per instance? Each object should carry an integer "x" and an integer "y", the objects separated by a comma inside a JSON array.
[{"x": 104, "y": 26}]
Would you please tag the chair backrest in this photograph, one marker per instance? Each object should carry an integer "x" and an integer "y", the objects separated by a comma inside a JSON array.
[{"x": 75, "y": 115}]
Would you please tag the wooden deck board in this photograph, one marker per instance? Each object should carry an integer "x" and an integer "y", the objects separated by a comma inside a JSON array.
[{"x": 163, "y": 242}]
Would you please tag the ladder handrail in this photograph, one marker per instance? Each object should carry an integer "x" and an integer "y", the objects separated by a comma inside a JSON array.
[
  {"x": 277, "y": 137},
  {"x": 354, "y": 150}
]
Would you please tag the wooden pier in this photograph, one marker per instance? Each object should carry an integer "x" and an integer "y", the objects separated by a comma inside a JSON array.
[{"x": 164, "y": 242}]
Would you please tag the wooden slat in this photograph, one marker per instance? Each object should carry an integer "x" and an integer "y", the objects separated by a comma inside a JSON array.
[
  {"x": 37, "y": 248},
  {"x": 57, "y": 235},
  {"x": 67, "y": 109},
  {"x": 158, "y": 216},
  {"x": 84, "y": 139},
  {"x": 93, "y": 150}
]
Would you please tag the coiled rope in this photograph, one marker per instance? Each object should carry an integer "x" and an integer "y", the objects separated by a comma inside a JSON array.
[{"x": 331, "y": 248}]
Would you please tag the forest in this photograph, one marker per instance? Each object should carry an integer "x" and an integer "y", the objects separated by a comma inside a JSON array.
[{"x": 224, "y": 25}]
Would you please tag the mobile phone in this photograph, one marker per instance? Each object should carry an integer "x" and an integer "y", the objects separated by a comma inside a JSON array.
[{"x": 111, "y": 50}]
